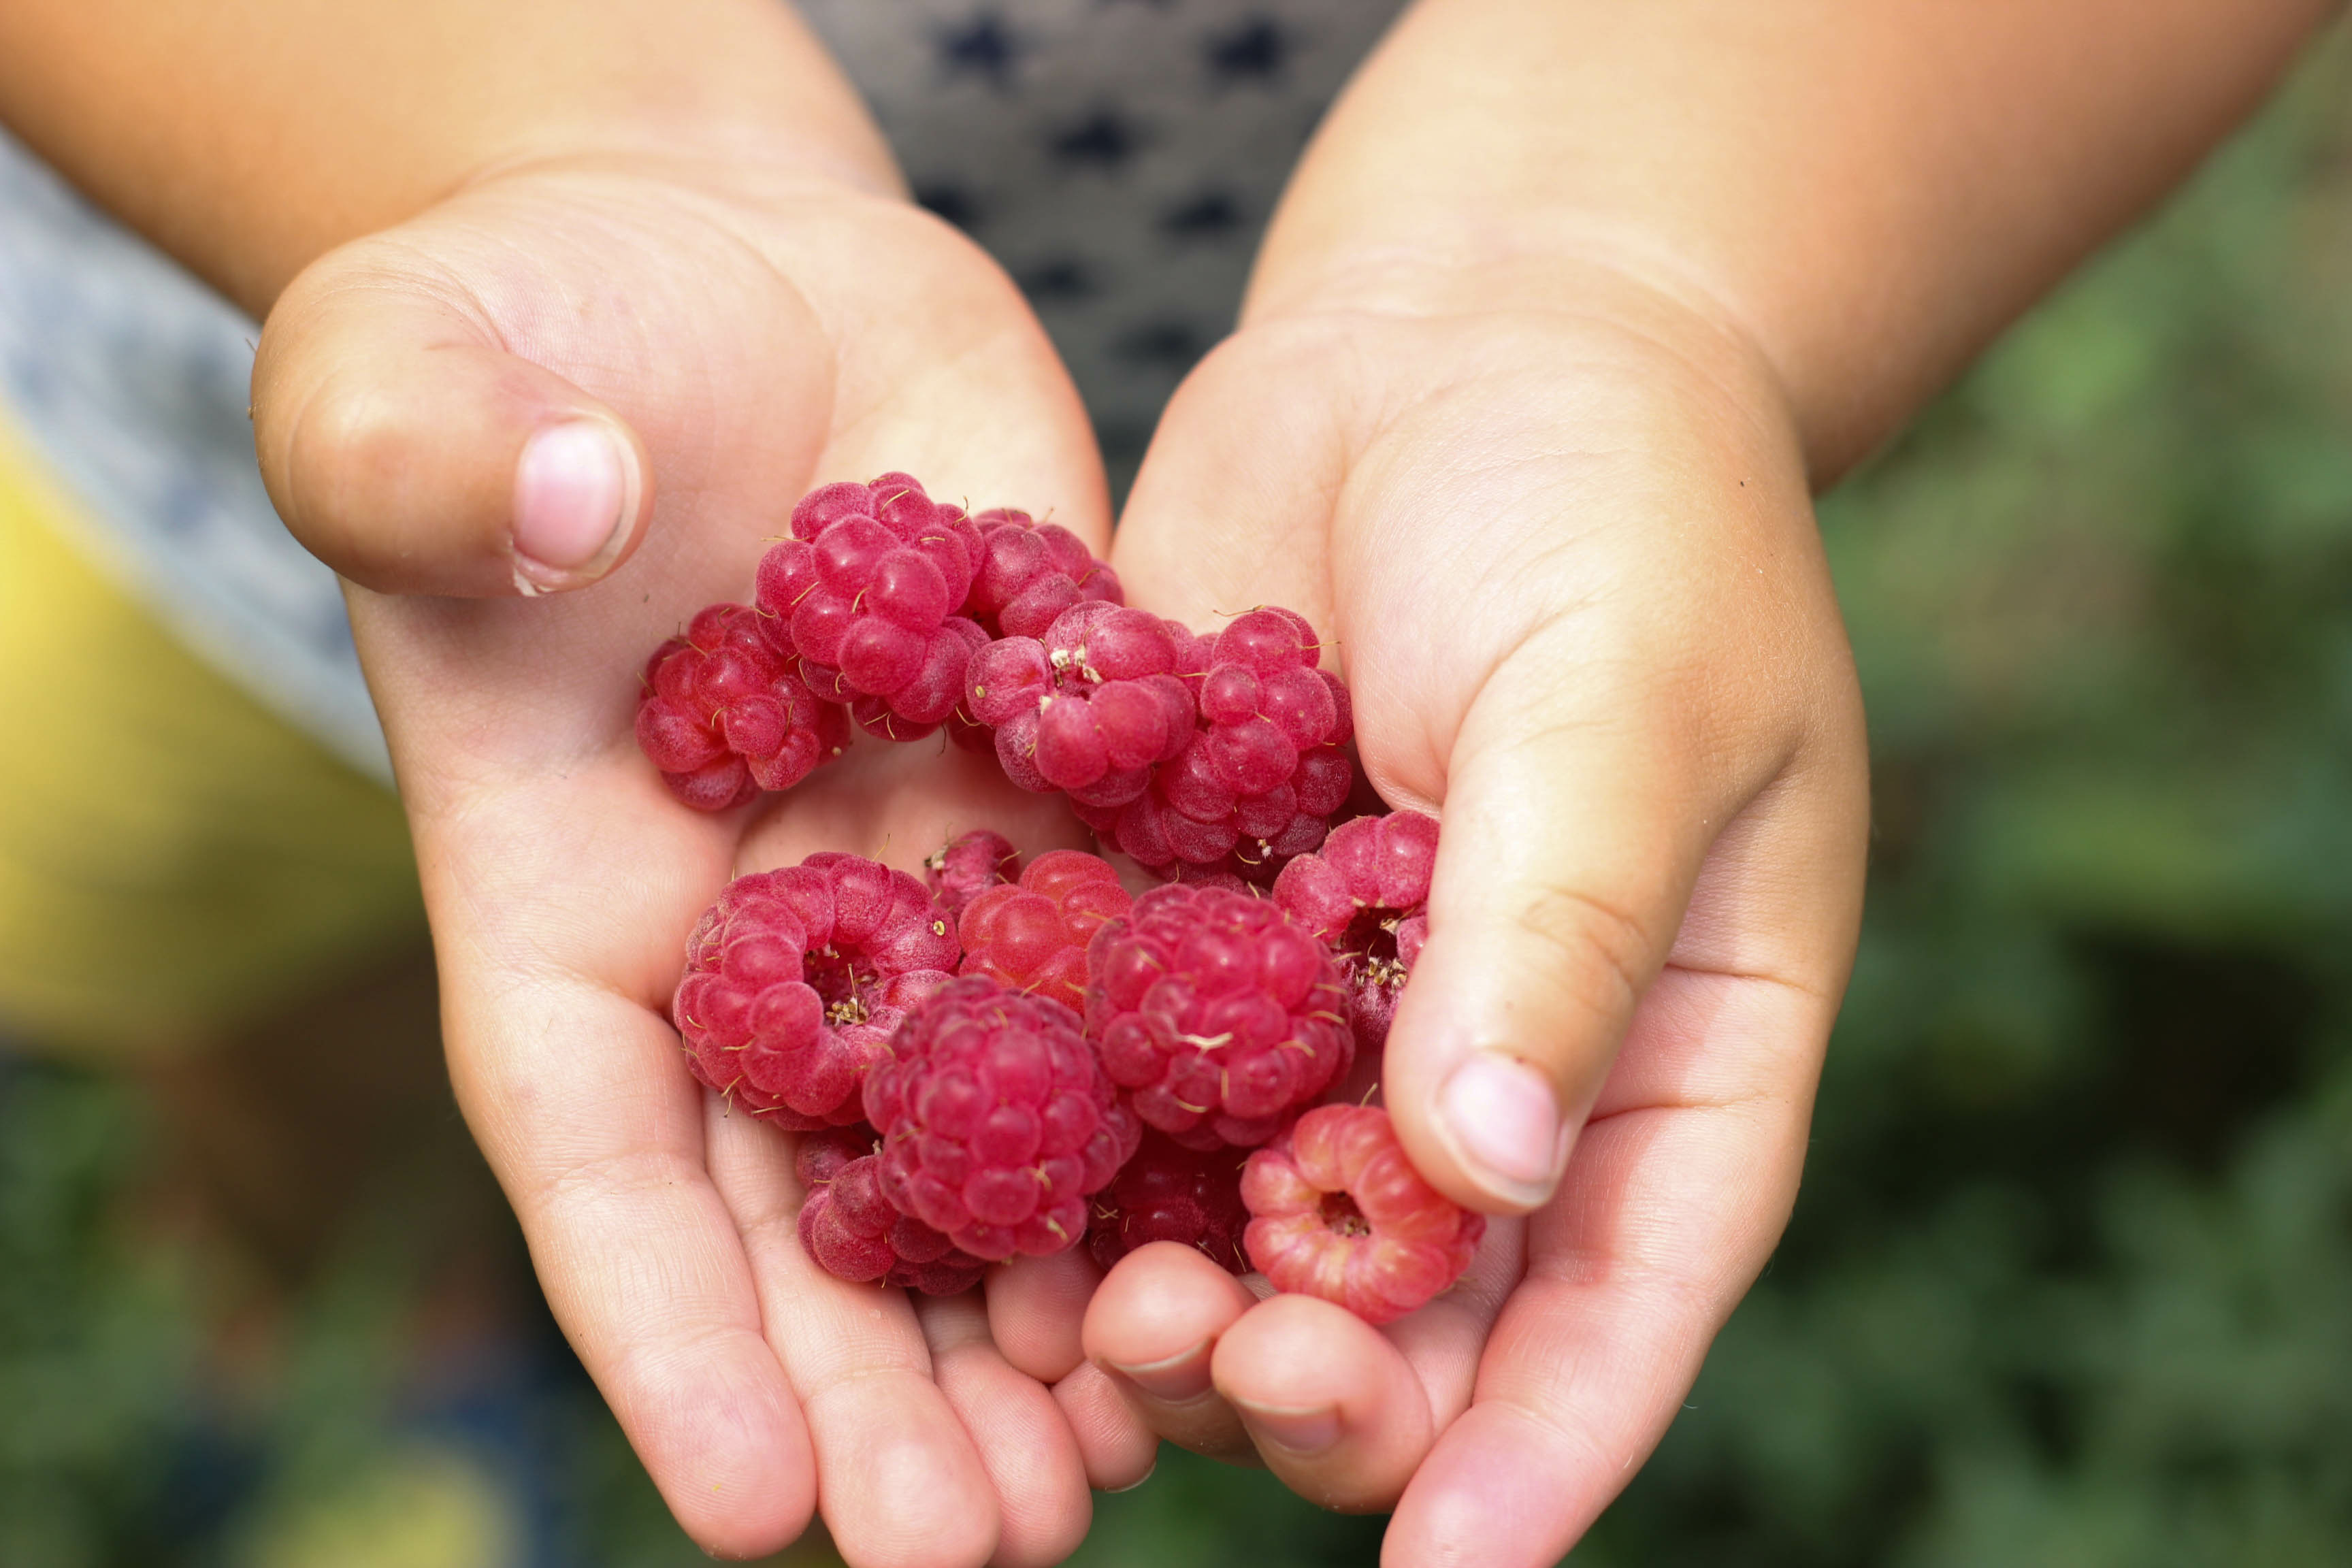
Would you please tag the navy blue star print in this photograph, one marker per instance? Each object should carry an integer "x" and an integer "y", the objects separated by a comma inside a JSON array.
[
  {"x": 1256, "y": 50},
  {"x": 1211, "y": 215},
  {"x": 1103, "y": 137},
  {"x": 983, "y": 46}
]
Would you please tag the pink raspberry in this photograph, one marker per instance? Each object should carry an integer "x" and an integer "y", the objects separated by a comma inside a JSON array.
[
  {"x": 1030, "y": 572},
  {"x": 1260, "y": 777},
  {"x": 1266, "y": 703},
  {"x": 968, "y": 866},
  {"x": 1090, "y": 706},
  {"x": 865, "y": 594},
  {"x": 1170, "y": 1193},
  {"x": 1217, "y": 1013},
  {"x": 850, "y": 1228},
  {"x": 1366, "y": 893},
  {"x": 1341, "y": 1214},
  {"x": 796, "y": 979},
  {"x": 723, "y": 717},
  {"x": 1032, "y": 936},
  {"x": 1190, "y": 818},
  {"x": 997, "y": 1121}
]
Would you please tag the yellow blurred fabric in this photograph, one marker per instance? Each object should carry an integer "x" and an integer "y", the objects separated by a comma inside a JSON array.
[
  {"x": 427, "y": 1507},
  {"x": 175, "y": 857}
]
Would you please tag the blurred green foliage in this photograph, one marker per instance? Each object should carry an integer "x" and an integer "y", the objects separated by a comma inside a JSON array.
[{"x": 2071, "y": 1275}]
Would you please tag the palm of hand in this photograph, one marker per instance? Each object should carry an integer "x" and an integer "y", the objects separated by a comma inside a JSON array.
[
  {"x": 1578, "y": 601},
  {"x": 758, "y": 338}
]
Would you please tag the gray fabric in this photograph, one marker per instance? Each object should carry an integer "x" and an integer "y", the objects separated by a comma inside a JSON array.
[
  {"x": 1118, "y": 156},
  {"x": 131, "y": 379}
]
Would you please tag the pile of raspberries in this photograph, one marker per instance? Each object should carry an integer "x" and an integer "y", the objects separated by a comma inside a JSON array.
[{"x": 1005, "y": 1059}]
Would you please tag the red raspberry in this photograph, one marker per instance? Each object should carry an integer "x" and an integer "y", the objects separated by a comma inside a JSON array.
[
  {"x": 796, "y": 978},
  {"x": 1366, "y": 893},
  {"x": 1258, "y": 781},
  {"x": 1032, "y": 936},
  {"x": 1341, "y": 1214},
  {"x": 997, "y": 1121},
  {"x": 1265, "y": 703},
  {"x": 1090, "y": 706},
  {"x": 1217, "y": 1014},
  {"x": 1190, "y": 818},
  {"x": 865, "y": 594},
  {"x": 723, "y": 717},
  {"x": 850, "y": 1228},
  {"x": 1169, "y": 1192},
  {"x": 1030, "y": 572},
  {"x": 968, "y": 866}
]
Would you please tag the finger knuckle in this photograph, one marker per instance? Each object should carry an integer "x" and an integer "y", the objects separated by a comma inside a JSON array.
[{"x": 1597, "y": 951}]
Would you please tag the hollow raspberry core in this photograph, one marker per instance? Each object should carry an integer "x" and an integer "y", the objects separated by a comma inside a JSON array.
[
  {"x": 1341, "y": 1214},
  {"x": 796, "y": 979},
  {"x": 1366, "y": 893}
]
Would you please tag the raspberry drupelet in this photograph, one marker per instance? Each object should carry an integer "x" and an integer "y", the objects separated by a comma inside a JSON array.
[
  {"x": 967, "y": 866},
  {"x": 723, "y": 716},
  {"x": 1341, "y": 1214},
  {"x": 997, "y": 1122},
  {"x": 1219, "y": 1015},
  {"x": 1032, "y": 935},
  {"x": 1366, "y": 893},
  {"x": 1030, "y": 572},
  {"x": 853, "y": 1233},
  {"x": 1089, "y": 708},
  {"x": 796, "y": 979},
  {"x": 1170, "y": 1193},
  {"x": 866, "y": 593}
]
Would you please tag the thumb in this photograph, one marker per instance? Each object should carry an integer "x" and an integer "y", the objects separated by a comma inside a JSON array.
[
  {"x": 409, "y": 451},
  {"x": 1575, "y": 823}
]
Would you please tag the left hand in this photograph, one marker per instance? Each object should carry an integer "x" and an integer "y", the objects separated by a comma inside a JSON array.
[{"x": 1567, "y": 562}]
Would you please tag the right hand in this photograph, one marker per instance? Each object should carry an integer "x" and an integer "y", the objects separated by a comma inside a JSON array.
[{"x": 731, "y": 335}]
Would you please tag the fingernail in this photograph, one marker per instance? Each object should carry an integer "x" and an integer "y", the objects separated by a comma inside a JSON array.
[
  {"x": 1177, "y": 1379},
  {"x": 576, "y": 495},
  {"x": 1301, "y": 1431},
  {"x": 1139, "y": 1480},
  {"x": 1503, "y": 1122}
]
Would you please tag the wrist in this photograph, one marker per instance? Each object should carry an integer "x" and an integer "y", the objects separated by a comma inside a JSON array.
[{"x": 1622, "y": 306}]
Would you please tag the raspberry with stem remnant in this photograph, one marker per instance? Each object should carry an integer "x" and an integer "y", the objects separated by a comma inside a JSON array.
[
  {"x": 1218, "y": 1013},
  {"x": 796, "y": 979},
  {"x": 1366, "y": 893}
]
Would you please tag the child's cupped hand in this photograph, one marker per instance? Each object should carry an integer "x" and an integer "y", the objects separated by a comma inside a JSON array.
[
  {"x": 711, "y": 335},
  {"x": 1566, "y": 561}
]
